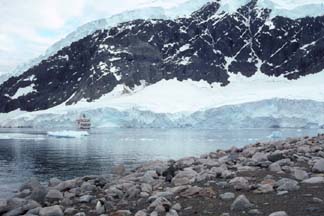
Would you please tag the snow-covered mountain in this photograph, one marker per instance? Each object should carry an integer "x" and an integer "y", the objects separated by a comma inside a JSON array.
[
  {"x": 150, "y": 10},
  {"x": 225, "y": 58},
  {"x": 293, "y": 9}
]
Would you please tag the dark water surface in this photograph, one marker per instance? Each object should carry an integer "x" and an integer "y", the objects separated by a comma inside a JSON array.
[{"x": 26, "y": 153}]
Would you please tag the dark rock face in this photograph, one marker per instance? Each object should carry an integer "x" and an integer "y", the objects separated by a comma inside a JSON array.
[{"x": 208, "y": 45}]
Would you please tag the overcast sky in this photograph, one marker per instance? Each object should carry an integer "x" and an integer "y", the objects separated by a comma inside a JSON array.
[{"x": 29, "y": 27}]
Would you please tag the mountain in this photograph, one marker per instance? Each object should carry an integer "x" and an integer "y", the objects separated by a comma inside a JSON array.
[
  {"x": 214, "y": 46},
  {"x": 150, "y": 10}
]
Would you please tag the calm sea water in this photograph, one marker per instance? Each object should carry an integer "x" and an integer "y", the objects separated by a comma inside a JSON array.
[{"x": 26, "y": 153}]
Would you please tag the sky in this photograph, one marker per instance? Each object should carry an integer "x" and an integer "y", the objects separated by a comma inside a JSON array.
[{"x": 29, "y": 27}]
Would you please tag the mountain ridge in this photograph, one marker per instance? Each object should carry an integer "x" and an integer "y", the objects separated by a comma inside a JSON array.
[{"x": 205, "y": 46}]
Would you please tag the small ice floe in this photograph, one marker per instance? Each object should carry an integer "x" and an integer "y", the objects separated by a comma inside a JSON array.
[
  {"x": 275, "y": 135},
  {"x": 67, "y": 134},
  {"x": 21, "y": 136}
]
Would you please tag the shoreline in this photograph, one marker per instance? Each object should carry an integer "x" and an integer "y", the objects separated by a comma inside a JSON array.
[{"x": 285, "y": 176}]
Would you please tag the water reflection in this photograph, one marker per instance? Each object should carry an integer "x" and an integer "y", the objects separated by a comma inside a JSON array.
[{"x": 26, "y": 153}]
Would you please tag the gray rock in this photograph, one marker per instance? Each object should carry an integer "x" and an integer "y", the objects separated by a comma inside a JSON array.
[
  {"x": 154, "y": 213},
  {"x": 260, "y": 157},
  {"x": 70, "y": 211},
  {"x": 172, "y": 212},
  {"x": 227, "y": 196},
  {"x": 279, "y": 213},
  {"x": 185, "y": 162},
  {"x": 300, "y": 174},
  {"x": 51, "y": 211},
  {"x": 119, "y": 170},
  {"x": 3, "y": 205},
  {"x": 14, "y": 212},
  {"x": 86, "y": 198},
  {"x": 34, "y": 211},
  {"x": 275, "y": 167},
  {"x": 184, "y": 177},
  {"x": 54, "y": 182},
  {"x": 241, "y": 203},
  {"x": 264, "y": 188},
  {"x": 23, "y": 194},
  {"x": 159, "y": 202},
  {"x": 146, "y": 188},
  {"x": 165, "y": 194},
  {"x": 66, "y": 185},
  {"x": 144, "y": 195},
  {"x": 177, "y": 207},
  {"x": 254, "y": 212},
  {"x": 38, "y": 191},
  {"x": 281, "y": 193},
  {"x": 30, "y": 204},
  {"x": 191, "y": 191},
  {"x": 15, "y": 203},
  {"x": 133, "y": 192},
  {"x": 122, "y": 213},
  {"x": 87, "y": 187},
  {"x": 319, "y": 166},
  {"x": 314, "y": 180},
  {"x": 54, "y": 195},
  {"x": 317, "y": 200},
  {"x": 240, "y": 183},
  {"x": 141, "y": 213},
  {"x": 286, "y": 184},
  {"x": 149, "y": 176}
]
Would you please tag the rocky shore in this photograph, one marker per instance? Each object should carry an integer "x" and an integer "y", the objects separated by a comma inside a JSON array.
[{"x": 277, "y": 178}]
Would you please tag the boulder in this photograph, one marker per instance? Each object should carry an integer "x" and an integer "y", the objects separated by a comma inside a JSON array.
[
  {"x": 227, "y": 196},
  {"x": 191, "y": 191},
  {"x": 300, "y": 174},
  {"x": 54, "y": 195},
  {"x": 314, "y": 180},
  {"x": 54, "y": 182},
  {"x": 286, "y": 184},
  {"x": 318, "y": 166},
  {"x": 51, "y": 211},
  {"x": 279, "y": 213},
  {"x": 121, "y": 213},
  {"x": 86, "y": 198},
  {"x": 141, "y": 213},
  {"x": 3, "y": 205},
  {"x": 184, "y": 177},
  {"x": 240, "y": 183},
  {"x": 172, "y": 212},
  {"x": 185, "y": 162},
  {"x": 66, "y": 185},
  {"x": 241, "y": 203},
  {"x": 260, "y": 157},
  {"x": 146, "y": 188},
  {"x": 119, "y": 170},
  {"x": 275, "y": 167},
  {"x": 38, "y": 191}
]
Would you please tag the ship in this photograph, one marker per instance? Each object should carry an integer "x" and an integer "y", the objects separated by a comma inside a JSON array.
[{"x": 84, "y": 123}]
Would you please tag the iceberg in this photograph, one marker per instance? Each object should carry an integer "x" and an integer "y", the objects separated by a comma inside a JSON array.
[
  {"x": 275, "y": 135},
  {"x": 67, "y": 134}
]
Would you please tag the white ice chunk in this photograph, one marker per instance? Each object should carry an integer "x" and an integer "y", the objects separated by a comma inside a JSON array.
[{"x": 67, "y": 134}]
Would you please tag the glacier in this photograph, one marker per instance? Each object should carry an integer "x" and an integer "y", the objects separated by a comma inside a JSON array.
[
  {"x": 293, "y": 9},
  {"x": 255, "y": 102},
  {"x": 272, "y": 113}
]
